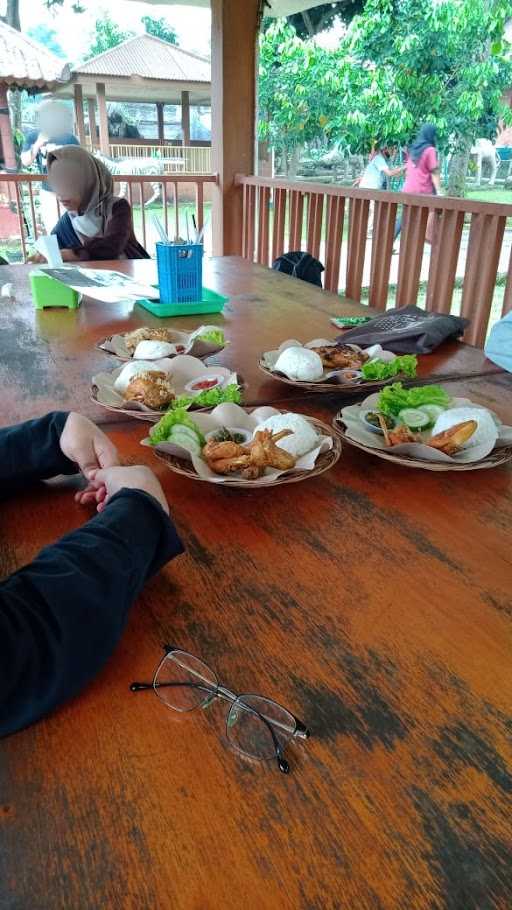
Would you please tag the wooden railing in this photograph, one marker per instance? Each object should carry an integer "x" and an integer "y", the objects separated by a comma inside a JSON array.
[
  {"x": 20, "y": 192},
  {"x": 331, "y": 222},
  {"x": 177, "y": 159}
]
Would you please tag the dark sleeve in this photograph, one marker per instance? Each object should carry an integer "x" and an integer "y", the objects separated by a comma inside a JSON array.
[
  {"x": 61, "y": 616},
  {"x": 114, "y": 241},
  {"x": 31, "y": 451}
]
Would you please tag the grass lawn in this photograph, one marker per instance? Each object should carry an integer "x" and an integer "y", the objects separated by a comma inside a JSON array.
[{"x": 496, "y": 194}]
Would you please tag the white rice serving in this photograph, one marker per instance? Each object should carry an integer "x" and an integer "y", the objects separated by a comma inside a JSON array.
[
  {"x": 130, "y": 371},
  {"x": 304, "y": 438},
  {"x": 301, "y": 364},
  {"x": 153, "y": 350}
]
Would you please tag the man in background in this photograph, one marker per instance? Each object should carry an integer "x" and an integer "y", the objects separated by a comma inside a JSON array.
[{"x": 54, "y": 129}]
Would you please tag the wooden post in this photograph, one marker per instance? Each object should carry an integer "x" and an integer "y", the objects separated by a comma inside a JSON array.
[
  {"x": 103, "y": 118},
  {"x": 79, "y": 113},
  {"x": 91, "y": 111},
  {"x": 234, "y": 32},
  {"x": 6, "y": 137},
  {"x": 185, "y": 117},
  {"x": 160, "y": 119}
]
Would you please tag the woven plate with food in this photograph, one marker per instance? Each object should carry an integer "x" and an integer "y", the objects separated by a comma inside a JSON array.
[
  {"x": 148, "y": 389},
  {"x": 244, "y": 449},
  {"x": 424, "y": 427},
  {"x": 150, "y": 343},
  {"x": 322, "y": 365}
]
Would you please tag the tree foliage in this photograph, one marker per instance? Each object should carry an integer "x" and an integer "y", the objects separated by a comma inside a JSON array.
[
  {"x": 107, "y": 34},
  {"x": 46, "y": 36},
  {"x": 323, "y": 17},
  {"x": 405, "y": 62},
  {"x": 160, "y": 28}
]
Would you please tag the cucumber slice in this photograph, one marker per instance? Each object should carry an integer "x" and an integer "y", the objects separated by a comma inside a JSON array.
[
  {"x": 432, "y": 411},
  {"x": 179, "y": 429},
  {"x": 414, "y": 418},
  {"x": 184, "y": 440}
]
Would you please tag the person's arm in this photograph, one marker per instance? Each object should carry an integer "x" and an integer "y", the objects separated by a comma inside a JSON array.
[
  {"x": 114, "y": 240},
  {"x": 31, "y": 148},
  {"x": 31, "y": 451},
  {"x": 61, "y": 616},
  {"x": 432, "y": 164},
  {"x": 393, "y": 171}
]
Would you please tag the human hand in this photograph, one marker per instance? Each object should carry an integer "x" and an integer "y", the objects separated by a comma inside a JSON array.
[
  {"x": 84, "y": 443},
  {"x": 105, "y": 483},
  {"x": 36, "y": 257}
]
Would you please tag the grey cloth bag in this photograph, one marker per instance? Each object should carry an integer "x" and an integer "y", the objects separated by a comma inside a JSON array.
[{"x": 407, "y": 330}]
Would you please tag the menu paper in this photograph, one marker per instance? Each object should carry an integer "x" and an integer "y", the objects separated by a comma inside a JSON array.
[{"x": 101, "y": 284}]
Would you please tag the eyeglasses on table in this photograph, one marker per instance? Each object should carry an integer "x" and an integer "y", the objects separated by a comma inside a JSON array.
[{"x": 255, "y": 726}]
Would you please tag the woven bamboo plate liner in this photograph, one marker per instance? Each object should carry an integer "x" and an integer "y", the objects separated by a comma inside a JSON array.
[
  {"x": 494, "y": 460},
  {"x": 324, "y": 462},
  {"x": 338, "y": 388}
]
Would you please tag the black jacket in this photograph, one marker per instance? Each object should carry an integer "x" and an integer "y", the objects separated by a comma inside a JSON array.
[{"x": 62, "y": 615}]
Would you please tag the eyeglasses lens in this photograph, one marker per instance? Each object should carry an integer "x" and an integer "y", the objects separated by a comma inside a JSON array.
[
  {"x": 183, "y": 682},
  {"x": 256, "y": 725}
]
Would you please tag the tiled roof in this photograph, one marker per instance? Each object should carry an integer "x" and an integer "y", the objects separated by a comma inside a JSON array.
[
  {"x": 149, "y": 58},
  {"x": 26, "y": 64}
]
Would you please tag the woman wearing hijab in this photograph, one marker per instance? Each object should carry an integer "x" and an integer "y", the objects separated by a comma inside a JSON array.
[
  {"x": 96, "y": 225},
  {"x": 422, "y": 167}
]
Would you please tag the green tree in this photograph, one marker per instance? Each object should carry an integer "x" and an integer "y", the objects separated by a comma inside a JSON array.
[
  {"x": 298, "y": 90},
  {"x": 46, "y": 36},
  {"x": 160, "y": 28},
  {"x": 320, "y": 18},
  {"x": 406, "y": 62},
  {"x": 107, "y": 34}
]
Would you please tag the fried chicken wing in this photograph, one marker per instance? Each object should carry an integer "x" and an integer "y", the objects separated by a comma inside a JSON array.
[
  {"x": 340, "y": 357},
  {"x": 151, "y": 388},
  {"x": 452, "y": 440},
  {"x": 252, "y": 459},
  {"x": 132, "y": 339},
  {"x": 399, "y": 435}
]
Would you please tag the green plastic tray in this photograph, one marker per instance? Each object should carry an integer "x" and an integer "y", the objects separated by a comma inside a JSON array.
[{"x": 211, "y": 303}]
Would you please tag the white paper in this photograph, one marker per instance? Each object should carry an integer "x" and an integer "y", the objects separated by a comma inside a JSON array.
[
  {"x": 101, "y": 284},
  {"x": 49, "y": 248}
]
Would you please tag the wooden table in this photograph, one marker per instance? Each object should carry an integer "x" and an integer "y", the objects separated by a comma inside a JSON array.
[
  {"x": 374, "y": 602},
  {"x": 49, "y": 357}
]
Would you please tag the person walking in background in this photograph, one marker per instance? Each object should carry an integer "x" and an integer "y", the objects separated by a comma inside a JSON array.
[
  {"x": 376, "y": 174},
  {"x": 54, "y": 129},
  {"x": 422, "y": 168}
]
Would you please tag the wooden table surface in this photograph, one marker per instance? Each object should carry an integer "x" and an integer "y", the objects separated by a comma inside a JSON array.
[
  {"x": 49, "y": 357},
  {"x": 374, "y": 602}
]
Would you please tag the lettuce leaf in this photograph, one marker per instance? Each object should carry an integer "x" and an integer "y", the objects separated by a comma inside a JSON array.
[
  {"x": 161, "y": 430},
  {"x": 215, "y": 336},
  {"x": 394, "y": 398},
  {"x": 210, "y": 398},
  {"x": 380, "y": 369}
]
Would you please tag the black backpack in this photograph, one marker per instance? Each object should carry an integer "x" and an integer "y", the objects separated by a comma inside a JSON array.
[{"x": 300, "y": 265}]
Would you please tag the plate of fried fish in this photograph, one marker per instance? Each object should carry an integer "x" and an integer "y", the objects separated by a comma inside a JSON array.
[
  {"x": 235, "y": 447},
  {"x": 326, "y": 365},
  {"x": 424, "y": 427},
  {"x": 148, "y": 389},
  {"x": 156, "y": 343}
]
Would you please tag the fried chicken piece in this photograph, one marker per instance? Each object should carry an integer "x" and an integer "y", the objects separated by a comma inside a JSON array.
[
  {"x": 132, "y": 339},
  {"x": 151, "y": 388},
  {"x": 340, "y": 357},
  {"x": 452, "y": 440},
  {"x": 252, "y": 459},
  {"x": 399, "y": 435}
]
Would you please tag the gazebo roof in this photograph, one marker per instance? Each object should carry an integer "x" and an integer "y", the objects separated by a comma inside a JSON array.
[
  {"x": 26, "y": 64},
  {"x": 144, "y": 68},
  {"x": 275, "y": 8}
]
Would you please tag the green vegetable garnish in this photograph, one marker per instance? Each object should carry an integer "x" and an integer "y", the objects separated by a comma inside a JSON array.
[
  {"x": 161, "y": 430},
  {"x": 215, "y": 336},
  {"x": 380, "y": 369},
  {"x": 394, "y": 398},
  {"x": 210, "y": 398}
]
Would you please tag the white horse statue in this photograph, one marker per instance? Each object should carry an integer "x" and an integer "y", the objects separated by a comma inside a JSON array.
[
  {"x": 136, "y": 166},
  {"x": 485, "y": 153}
]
